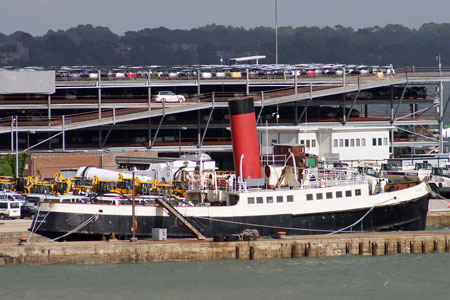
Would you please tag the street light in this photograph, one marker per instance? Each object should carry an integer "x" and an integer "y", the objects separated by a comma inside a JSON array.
[
  {"x": 441, "y": 106},
  {"x": 179, "y": 138},
  {"x": 276, "y": 32}
]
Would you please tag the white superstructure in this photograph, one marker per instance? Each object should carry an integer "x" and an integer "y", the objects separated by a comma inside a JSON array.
[{"x": 336, "y": 142}]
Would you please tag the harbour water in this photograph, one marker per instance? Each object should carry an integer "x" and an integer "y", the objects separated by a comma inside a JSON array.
[{"x": 399, "y": 276}]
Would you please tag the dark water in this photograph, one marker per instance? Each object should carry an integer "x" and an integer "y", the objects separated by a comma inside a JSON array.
[{"x": 402, "y": 276}]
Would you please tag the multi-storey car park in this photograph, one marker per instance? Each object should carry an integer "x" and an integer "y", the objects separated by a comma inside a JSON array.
[{"x": 107, "y": 108}]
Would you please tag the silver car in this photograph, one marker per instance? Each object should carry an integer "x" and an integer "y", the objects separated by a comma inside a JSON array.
[{"x": 168, "y": 96}]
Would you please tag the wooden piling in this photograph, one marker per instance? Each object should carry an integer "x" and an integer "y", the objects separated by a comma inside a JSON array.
[
  {"x": 374, "y": 249},
  {"x": 307, "y": 249},
  {"x": 294, "y": 251},
  {"x": 399, "y": 247}
]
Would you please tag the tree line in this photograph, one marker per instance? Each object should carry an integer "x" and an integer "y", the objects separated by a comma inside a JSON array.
[{"x": 90, "y": 45}]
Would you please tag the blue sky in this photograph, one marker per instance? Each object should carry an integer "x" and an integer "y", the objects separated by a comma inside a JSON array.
[{"x": 38, "y": 16}]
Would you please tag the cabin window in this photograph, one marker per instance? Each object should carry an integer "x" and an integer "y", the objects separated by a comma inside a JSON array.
[
  {"x": 374, "y": 142},
  {"x": 352, "y": 143},
  {"x": 348, "y": 193},
  {"x": 290, "y": 198},
  {"x": 313, "y": 143},
  {"x": 358, "y": 142},
  {"x": 269, "y": 199},
  {"x": 329, "y": 195},
  {"x": 259, "y": 200},
  {"x": 339, "y": 194},
  {"x": 363, "y": 142},
  {"x": 358, "y": 192},
  {"x": 309, "y": 197},
  {"x": 279, "y": 199},
  {"x": 335, "y": 143},
  {"x": 302, "y": 142},
  {"x": 341, "y": 143},
  {"x": 251, "y": 200},
  {"x": 380, "y": 141},
  {"x": 308, "y": 143},
  {"x": 385, "y": 141},
  {"x": 319, "y": 196},
  {"x": 346, "y": 142}
]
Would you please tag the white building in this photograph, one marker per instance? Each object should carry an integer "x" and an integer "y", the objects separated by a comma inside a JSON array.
[{"x": 332, "y": 142}]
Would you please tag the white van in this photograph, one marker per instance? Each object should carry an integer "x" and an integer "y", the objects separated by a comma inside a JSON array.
[
  {"x": 9, "y": 209},
  {"x": 16, "y": 197},
  {"x": 67, "y": 199},
  {"x": 36, "y": 198}
]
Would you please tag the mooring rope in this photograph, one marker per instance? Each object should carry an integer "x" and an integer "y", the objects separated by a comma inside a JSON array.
[
  {"x": 362, "y": 218},
  {"x": 296, "y": 228},
  {"x": 259, "y": 225},
  {"x": 77, "y": 228},
  {"x": 90, "y": 219},
  {"x": 33, "y": 230}
]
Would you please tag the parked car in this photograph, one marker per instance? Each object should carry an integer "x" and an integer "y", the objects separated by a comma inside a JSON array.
[
  {"x": 362, "y": 95},
  {"x": 168, "y": 96},
  {"x": 28, "y": 210}
]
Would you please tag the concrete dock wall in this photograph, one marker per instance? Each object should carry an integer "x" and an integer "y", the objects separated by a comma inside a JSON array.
[
  {"x": 13, "y": 237},
  {"x": 192, "y": 250},
  {"x": 438, "y": 219}
]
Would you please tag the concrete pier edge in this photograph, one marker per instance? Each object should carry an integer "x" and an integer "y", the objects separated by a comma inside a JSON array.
[{"x": 367, "y": 244}]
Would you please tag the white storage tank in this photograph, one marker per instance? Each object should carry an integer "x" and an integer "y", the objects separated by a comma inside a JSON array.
[{"x": 104, "y": 174}]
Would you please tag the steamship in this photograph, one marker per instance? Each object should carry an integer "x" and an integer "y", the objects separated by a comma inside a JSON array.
[{"x": 287, "y": 200}]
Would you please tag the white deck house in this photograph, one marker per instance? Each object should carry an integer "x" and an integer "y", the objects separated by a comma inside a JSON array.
[{"x": 331, "y": 143}]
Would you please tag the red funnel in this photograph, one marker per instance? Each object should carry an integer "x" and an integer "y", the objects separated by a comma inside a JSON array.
[{"x": 244, "y": 137}]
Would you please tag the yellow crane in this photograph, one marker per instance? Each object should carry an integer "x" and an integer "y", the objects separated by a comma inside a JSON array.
[
  {"x": 62, "y": 186},
  {"x": 103, "y": 186},
  {"x": 7, "y": 183},
  {"x": 82, "y": 186}
]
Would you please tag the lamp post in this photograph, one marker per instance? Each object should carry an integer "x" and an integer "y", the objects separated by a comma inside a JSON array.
[
  {"x": 441, "y": 106},
  {"x": 276, "y": 32},
  {"x": 17, "y": 147},
  {"x": 133, "y": 212},
  {"x": 179, "y": 138}
]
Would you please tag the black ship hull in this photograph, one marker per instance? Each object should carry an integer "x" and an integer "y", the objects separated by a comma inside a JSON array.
[{"x": 407, "y": 216}]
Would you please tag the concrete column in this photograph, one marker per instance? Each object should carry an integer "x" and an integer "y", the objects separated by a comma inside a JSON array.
[
  {"x": 63, "y": 133},
  {"x": 49, "y": 108},
  {"x": 295, "y": 83},
  {"x": 247, "y": 88},
  {"x": 99, "y": 95},
  {"x": 149, "y": 91}
]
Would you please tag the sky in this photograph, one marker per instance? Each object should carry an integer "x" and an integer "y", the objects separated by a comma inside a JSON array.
[{"x": 38, "y": 16}]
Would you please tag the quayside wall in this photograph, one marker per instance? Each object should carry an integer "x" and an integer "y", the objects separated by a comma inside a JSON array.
[{"x": 41, "y": 253}]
